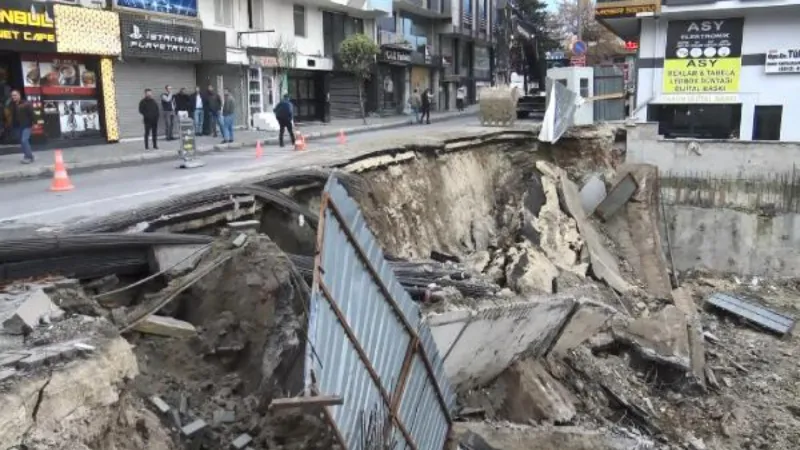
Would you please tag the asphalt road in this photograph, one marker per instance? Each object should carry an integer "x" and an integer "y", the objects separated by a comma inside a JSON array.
[{"x": 29, "y": 203}]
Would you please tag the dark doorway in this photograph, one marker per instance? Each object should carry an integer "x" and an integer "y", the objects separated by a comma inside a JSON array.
[
  {"x": 697, "y": 121},
  {"x": 304, "y": 92},
  {"x": 767, "y": 123},
  {"x": 10, "y": 79}
]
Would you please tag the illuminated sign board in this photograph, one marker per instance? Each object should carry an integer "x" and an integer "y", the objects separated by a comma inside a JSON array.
[
  {"x": 613, "y": 10},
  {"x": 27, "y": 26}
]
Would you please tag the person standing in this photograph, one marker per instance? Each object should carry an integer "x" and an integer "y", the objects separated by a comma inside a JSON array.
[
  {"x": 168, "y": 110},
  {"x": 197, "y": 100},
  {"x": 214, "y": 105},
  {"x": 426, "y": 106},
  {"x": 461, "y": 96},
  {"x": 228, "y": 117},
  {"x": 183, "y": 103},
  {"x": 148, "y": 108},
  {"x": 284, "y": 113},
  {"x": 415, "y": 101},
  {"x": 21, "y": 112}
]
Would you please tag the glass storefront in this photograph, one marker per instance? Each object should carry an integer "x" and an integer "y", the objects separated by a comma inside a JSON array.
[{"x": 64, "y": 91}]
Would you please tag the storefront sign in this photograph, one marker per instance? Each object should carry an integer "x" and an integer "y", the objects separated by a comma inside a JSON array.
[
  {"x": 703, "y": 56},
  {"x": 86, "y": 31},
  {"x": 395, "y": 56},
  {"x": 177, "y": 7},
  {"x": 146, "y": 39},
  {"x": 697, "y": 99},
  {"x": 785, "y": 60},
  {"x": 615, "y": 12},
  {"x": 264, "y": 61},
  {"x": 27, "y": 26}
]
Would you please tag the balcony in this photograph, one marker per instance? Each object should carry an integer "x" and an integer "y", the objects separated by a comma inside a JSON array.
[
  {"x": 457, "y": 31},
  {"x": 393, "y": 40},
  {"x": 364, "y": 9},
  {"x": 431, "y": 9},
  {"x": 620, "y": 16},
  {"x": 426, "y": 58}
]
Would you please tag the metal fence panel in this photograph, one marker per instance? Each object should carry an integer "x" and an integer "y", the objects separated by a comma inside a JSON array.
[
  {"x": 367, "y": 342},
  {"x": 609, "y": 80}
]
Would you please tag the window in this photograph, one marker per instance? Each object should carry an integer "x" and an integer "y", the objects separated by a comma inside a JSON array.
[
  {"x": 696, "y": 121},
  {"x": 300, "y": 20},
  {"x": 255, "y": 11},
  {"x": 767, "y": 123},
  {"x": 223, "y": 12},
  {"x": 584, "y": 87},
  {"x": 415, "y": 32},
  {"x": 466, "y": 13},
  {"x": 388, "y": 23},
  {"x": 338, "y": 27}
]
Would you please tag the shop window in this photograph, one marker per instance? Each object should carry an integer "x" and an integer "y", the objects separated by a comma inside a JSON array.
[
  {"x": 767, "y": 123},
  {"x": 223, "y": 12},
  {"x": 584, "y": 87},
  {"x": 300, "y": 20},
  {"x": 697, "y": 121}
]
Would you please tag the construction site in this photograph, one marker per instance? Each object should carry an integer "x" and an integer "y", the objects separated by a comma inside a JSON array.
[{"x": 475, "y": 289}]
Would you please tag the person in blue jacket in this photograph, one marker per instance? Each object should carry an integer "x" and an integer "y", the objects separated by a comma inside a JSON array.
[{"x": 284, "y": 112}]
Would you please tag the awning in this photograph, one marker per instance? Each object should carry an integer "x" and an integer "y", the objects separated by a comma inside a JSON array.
[{"x": 698, "y": 98}]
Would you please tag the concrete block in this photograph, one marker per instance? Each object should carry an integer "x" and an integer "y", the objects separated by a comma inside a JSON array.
[
  {"x": 224, "y": 416},
  {"x": 240, "y": 240},
  {"x": 589, "y": 318},
  {"x": 662, "y": 338},
  {"x": 176, "y": 260},
  {"x": 592, "y": 193},
  {"x": 11, "y": 358},
  {"x": 166, "y": 326},
  {"x": 194, "y": 428},
  {"x": 30, "y": 311},
  {"x": 242, "y": 441},
  {"x": 160, "y": 404}
]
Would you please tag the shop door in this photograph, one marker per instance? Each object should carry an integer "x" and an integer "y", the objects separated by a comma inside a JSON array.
[
  {"x": 10, "y": 79},
  {"x": 303, "y": 92},
  {"x": 133, "y": 77}
]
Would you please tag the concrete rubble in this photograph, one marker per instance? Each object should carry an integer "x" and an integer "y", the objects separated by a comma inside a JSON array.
[{"x": 556, "y": 329}]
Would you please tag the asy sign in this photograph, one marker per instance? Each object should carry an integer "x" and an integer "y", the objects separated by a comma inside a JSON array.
[
  {"x": 703, "y": 56},
  {"x": 27, "y": 26},
  {"x": 786, "y": 60}
]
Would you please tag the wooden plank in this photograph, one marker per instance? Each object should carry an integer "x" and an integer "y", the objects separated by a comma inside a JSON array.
[{"x": 318, "y": 401}]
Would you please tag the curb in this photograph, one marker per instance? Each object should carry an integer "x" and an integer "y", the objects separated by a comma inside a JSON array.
[{"x": 155, "y": 157}]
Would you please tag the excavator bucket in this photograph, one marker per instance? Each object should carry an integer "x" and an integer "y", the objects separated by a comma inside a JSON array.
[{"x": 498, "y": 106}]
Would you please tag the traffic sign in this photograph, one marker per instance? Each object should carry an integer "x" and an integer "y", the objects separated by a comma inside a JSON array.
[
  {"x": 577, "y": 61},
  {"x": 579, "y": 48}
]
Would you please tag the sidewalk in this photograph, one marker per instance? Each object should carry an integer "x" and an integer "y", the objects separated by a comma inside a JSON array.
[{"x": 83, "y": 159}]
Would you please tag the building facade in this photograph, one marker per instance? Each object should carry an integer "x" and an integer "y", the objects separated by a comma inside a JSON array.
[
  {"x": 716, "y": 69},
  {"x": 60, "y": 59}
]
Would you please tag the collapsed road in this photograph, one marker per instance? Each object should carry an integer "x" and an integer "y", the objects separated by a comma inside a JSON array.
[{"x": 456, "y": 291}]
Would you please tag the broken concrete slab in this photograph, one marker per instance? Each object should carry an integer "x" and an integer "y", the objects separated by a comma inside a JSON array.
[
  {"x": 244, "y": 225},
  {"x": 11, "y": 358},
  {"x": 50, "y": 354},
  {"x": 617, "y": 198},
  {"x": 224, "y": 416},
  {"x": 176, "y": 260},
  {"x": 242, "y": 441},
  {"x": 590, "y": 317},
  {"x": 32, "y": 308},
  {"x": 662, "y": 338},
  {"x": 478, "y": 344},
  {"x": 508, "y": 436},
  {"x": 166, "y": 326},
  {"x": 7, "y": 373},
  {"x": 160, "y": 404},
  {"x": 240, "y": 240},
  {"x": 533, "y": 394},
  {"x": 603, "y": 263},
  {"x": 683, "y": 301}
]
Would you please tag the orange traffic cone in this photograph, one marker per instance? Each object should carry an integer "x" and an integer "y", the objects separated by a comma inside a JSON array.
[
  {"x": 259, "y": 150},
  {"x": 60, "y": 178},
  {"x": 342, "y": 138},
  {"x": 299, "y": 142}
]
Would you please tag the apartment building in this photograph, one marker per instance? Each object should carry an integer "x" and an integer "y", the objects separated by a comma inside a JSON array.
[{"x": 714, "y": 69}]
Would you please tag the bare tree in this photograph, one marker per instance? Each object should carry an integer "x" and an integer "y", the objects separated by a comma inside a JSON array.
[
  {"x": 575, "y": 18},
  {"x": 286, "y": 60}
]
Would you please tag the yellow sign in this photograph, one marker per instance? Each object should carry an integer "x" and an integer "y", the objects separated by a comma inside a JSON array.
[
  {"x": 624, "y": 11},
  {"x": 701, "y": 75}
]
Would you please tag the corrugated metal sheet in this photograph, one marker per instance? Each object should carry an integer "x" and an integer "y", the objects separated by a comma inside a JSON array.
[
  {"x": 752, "y": 312},
  {"x": 609, "y": 80},
  {"x": 369, "y": 347}
]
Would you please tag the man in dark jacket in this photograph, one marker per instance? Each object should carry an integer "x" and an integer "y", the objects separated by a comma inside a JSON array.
[
  {"x": 284, "y": 112},
  {"x": 168, "y": 110},
  {"x": 148, "y": 108},
  {"x": 214, "y": 104},
  {"x": 426, "y": 107},
  {"x": 21, "y": 123},
  {"x": 182, "y": 102}
]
